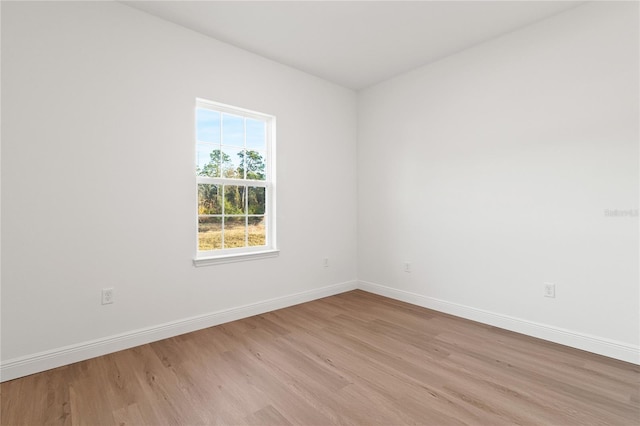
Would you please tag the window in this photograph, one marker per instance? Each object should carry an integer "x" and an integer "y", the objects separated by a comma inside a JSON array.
[{"x": 235, "y": 170}]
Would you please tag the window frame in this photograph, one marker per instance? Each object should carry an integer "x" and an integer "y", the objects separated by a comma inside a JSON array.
[{"x": 238, "y": 254}]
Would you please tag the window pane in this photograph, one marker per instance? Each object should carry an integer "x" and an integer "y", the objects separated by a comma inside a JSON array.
[
  {"x": 234, "y": 199},
  {"x": 257, "y": 200},
  {"x": 208, "y": 160},
  {"x": 255, "y": 164},
  {"x": 207, "y": 125},
  {"x": 209, "y": 199},
  {"x": 232, "y": 130},
  {"x": 256, "y": 134},
  {"x": 209, "y": 233},
  {"x": 233, "y": 148},
  {"x": 234, "y": 232},
  {"x": 232, "y": 166},
  {"x": 257, "y": 231}
]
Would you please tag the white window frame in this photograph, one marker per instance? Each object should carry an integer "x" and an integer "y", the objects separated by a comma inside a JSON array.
[{"x": 213, "y": 257}]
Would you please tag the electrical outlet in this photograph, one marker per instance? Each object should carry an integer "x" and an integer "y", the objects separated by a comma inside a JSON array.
[
  {"x": 107, "y": 296},
  {"x": 407, "y": 266},
  {"x": 549, "y": 290},
  {"x": 325, "y": 262}
]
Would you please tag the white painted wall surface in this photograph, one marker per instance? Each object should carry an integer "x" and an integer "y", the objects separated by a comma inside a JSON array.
[
  {"x": 491, "y": 170},
  {"x": 98, "y": 180}
]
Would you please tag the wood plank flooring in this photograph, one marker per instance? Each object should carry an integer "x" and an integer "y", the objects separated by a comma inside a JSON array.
[{"x": 352, "y": 359}]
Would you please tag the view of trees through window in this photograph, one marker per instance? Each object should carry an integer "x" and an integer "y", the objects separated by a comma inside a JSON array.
[{"x": 232, "y": 187}]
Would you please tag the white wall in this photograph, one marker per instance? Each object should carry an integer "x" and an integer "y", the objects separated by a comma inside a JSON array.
[
  {"x": 491, "y": 171},
  {"x": 98, "y": 180}
]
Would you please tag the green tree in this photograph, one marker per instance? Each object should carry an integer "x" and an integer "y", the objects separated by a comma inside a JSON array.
[
  {"x": 254, "y": 164},
  {"x": 219, "y": 161},
  {"x": 209, "y": 199},
  {"x": 256, "y": 200},
  {"x": 234, "y": 199}
]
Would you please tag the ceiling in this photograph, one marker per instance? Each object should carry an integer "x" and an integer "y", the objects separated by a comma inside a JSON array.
[{"x": 353, "y": 43}]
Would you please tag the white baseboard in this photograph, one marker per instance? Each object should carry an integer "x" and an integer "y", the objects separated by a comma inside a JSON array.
[
  {"x": 30, "y": 364},
  {"x": 595, "y": 344},
  {"x": 23, "y": 366}
]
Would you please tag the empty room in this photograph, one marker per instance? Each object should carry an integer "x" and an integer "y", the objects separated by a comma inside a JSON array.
[{"x": 320, "y": 212}]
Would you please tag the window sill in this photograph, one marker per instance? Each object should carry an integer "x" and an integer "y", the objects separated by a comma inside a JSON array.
[{"x": 231, "y": 258}]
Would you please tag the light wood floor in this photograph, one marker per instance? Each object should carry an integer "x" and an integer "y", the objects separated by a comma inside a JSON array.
[{"x": 355, "y": 358}]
